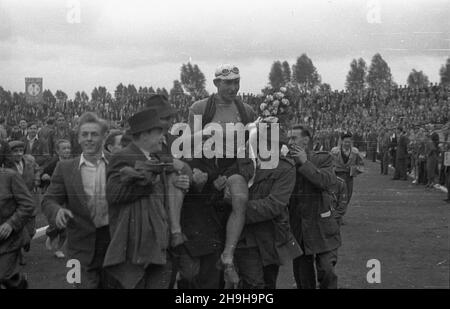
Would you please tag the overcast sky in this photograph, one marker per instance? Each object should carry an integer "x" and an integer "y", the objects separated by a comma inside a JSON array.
[{"x": 145, "y": 42}]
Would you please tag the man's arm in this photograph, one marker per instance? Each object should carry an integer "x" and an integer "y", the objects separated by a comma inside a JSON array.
[
  {"x": 272, "y": 205},
  {"x": 56, "y": 194},
  {"x": 25, "y": 203},
  {"x": 321, "y": 176},
  {"x": 118, "y": 192}
]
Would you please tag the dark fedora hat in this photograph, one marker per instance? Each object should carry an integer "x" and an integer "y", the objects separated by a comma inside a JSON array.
[
  {"x": 145, "y": 120},
  {"x": 161, "y": 104}
]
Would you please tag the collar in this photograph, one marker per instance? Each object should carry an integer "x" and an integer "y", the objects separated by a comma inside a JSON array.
[
  {"x": 32, "y": 139},
  {"x": 84, "y": 161}
]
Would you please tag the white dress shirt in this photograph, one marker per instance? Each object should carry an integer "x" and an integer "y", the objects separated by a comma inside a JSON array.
[{"x": 93, "y": 177}]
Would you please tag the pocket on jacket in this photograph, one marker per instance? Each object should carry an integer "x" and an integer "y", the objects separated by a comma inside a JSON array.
[{"x": 329, "y": 226}]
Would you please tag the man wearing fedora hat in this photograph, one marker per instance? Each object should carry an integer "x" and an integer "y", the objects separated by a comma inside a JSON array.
[
  {"x": 181, "y": 182},
  {"x": 137, "y": 191}
]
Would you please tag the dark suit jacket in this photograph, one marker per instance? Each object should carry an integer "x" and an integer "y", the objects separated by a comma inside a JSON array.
[
  {"x": 16, "y": 208},
  {"x": 313, "y": 220},
  {"x": 66, "y": 188},
  {"x": 39, "y": 151}
]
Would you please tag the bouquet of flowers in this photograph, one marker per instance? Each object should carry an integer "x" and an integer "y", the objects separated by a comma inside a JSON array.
[{"x": 275, "y": 104}]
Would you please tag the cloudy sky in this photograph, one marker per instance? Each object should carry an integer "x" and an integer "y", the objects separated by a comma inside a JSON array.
[{"x": 145, "y": 42}]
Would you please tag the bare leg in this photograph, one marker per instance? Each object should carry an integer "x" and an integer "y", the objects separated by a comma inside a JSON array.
[
  {"x": 175, "y": 197},
  {"x": 239, "y": 197},
  {"x": 175, "y": 201}
]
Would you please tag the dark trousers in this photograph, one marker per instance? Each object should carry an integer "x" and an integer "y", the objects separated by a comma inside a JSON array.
[
  {"x": 93, "y": 275},
  {"x": 422, "y": 172},
  {"x": 349, "y": 183},
  {"x": 252, "y": 273},
  {"x": 156, "y": 277},
  {"x": 10, "y": 276},
  {"x": 305, "y": 274},
  {"x": 198, "y": 272},
  {"x": 400, "y": 169},
  {"x": 385, "y": 163}
]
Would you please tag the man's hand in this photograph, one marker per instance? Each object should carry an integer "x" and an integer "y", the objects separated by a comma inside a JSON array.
[
  {"x": 62, "y": 217},
  {"x": 299, "y": 154},
  {"x": 182, "y": 182},
  {"x": 45, "y": 177},
  {"x": 5, "y": 230},
  {"x": 220, "y": 183},
  {"x": 199, "y": 177}
]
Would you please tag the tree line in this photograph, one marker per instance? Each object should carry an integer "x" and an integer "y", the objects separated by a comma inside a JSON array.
[{"x": 302, "y": 76}]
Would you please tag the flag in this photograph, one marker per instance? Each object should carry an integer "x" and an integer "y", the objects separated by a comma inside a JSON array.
[{"x": 33, "y": 89}]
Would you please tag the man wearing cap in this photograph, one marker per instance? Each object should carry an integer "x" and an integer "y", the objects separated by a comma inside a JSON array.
[
  {"x": 137, "y": 192},
  {"x": 76, "y": 201},
  {"x": 16, "y": 209},
  {"x": 29, "y": 170},
  {"x": 24, "y": 164},
  {"x": 222, "y": 108}
]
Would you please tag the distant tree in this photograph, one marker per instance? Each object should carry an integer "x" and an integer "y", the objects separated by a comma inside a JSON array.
[
  {"x": 444, "y": 72},
  {"x": 101, "y": 94},
  {"x": 325, "y": 87},
  {"x": 61, "y": 96},
  {"x": 417, "y": 79},
  {"x": 177, "y": 89},
  {"x": 379, "y": 76},
  {"x": 78, "y": 96},
  {"x": 84, "y": 97},
  {"x": 356, "y": 77},
  {"x": 132, "y": 91},
  {"x": 118, "y": 93},
  {"x": 164, "y": 92},
  {"x": 305, "y": 73},
  {"x": 48, "y": 96},
  {"x": 276, "y": 79},
  {"x": 286, "y": 72},
  {"x": 151, "y": 90},
  {"x": 193, "y": 81}
]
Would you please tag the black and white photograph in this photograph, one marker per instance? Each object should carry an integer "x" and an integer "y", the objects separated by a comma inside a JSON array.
[{"x": 215, "y": 147}]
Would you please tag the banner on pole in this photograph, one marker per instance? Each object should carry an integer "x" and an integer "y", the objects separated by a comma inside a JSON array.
[{"x": 33, "y": 89}]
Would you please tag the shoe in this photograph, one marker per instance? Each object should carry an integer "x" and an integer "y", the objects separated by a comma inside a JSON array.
[
  {"x": 447, "y": 200},
  {"x": 59, "y": 254},
  {"x": 414, "y": 182}
]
